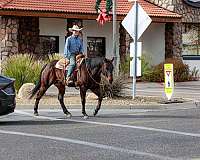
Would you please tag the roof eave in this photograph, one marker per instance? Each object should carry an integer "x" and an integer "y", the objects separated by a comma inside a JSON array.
[{"x": 82, "y": 15}]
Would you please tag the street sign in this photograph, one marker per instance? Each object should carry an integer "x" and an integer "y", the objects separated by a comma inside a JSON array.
[
  {"x": 169, "y": 80},
  {"x": 135, "y": 23},
  {"x": 139, "y": 49},
  {"x": 143, "y": 21},
  {"x": 139, "y": 66},
  {"x": 138, "y": 61}
]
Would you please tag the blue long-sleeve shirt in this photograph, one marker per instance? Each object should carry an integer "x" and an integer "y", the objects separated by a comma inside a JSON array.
[{"x": 73, "y": 45}]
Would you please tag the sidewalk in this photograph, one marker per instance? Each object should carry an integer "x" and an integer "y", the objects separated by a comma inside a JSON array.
[{"x": 188, "y": 90}]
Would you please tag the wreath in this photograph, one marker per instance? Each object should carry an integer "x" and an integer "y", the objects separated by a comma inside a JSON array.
[{"x": 108, "y": 6}]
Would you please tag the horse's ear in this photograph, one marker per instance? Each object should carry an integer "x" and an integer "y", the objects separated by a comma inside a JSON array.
[{"x": 112, "y": 59}]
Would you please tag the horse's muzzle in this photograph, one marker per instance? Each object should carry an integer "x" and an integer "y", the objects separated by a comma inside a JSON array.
[{"x": 110, "y": 79}]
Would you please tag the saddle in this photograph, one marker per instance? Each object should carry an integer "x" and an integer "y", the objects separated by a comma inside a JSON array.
[{"x": 63, "y": 63}]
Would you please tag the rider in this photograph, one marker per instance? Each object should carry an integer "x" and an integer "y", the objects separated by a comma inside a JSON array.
[{"x": 73, "y": 46}]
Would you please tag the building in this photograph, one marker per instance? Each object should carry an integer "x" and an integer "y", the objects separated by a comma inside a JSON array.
[
  {"x": 40, "y": 28},
  {"x": 186, "y": 33}
]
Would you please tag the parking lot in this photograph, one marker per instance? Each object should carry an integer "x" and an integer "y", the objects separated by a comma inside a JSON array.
[{"x": 146, "y": 134}]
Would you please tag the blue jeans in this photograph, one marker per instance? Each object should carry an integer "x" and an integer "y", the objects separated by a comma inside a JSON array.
[{"x": 72, "y": 65}]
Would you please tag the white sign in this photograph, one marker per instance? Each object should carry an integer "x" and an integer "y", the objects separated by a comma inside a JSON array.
[
  {"x": 139, "y": 64},
  {"x": 139, "y": 49},
  {"x": 143, "y": 21},
  {"x": 139, "y": 54}
]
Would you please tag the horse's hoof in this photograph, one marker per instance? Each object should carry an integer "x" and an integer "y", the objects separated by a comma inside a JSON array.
[
  {"x": 85, "y": 117},
  {"x": 36, "y": 114},
  {"x": 68, "y": 115},
  {"x": 95, "y": 113}
]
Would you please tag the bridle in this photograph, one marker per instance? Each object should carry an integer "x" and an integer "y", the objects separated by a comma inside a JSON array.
[
  {"x": 101, "y": 84},
  {"x": 104, "y": 73}
]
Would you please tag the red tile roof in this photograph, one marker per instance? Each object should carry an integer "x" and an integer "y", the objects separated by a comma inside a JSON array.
[{"x": 81, "y": 6}]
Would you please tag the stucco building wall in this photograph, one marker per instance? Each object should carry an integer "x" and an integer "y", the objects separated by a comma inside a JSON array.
[{"x": 153, "y": 43}]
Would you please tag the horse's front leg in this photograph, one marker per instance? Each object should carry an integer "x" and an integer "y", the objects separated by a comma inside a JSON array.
[
  {"x": 97, "y": 91},
  {"x": 83, "y": 91},
  {"x": 98, "y": 106},
  {"x": 61, "y": 89}
]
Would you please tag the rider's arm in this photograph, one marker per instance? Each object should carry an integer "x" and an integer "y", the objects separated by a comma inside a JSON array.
[
  {"x": 81, "y": 50},
  {"x": 66, "y": 49}
]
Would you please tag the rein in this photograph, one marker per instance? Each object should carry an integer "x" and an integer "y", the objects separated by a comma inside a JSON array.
[{"x": 101, "y": 84}]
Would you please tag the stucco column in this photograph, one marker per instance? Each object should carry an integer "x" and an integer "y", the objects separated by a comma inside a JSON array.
[
  {"x": 122, "y": 43},
  {"x": 28, "y": 37},
  {"x": 8, "y": 37},
  {"x": 173, "y": 40}
]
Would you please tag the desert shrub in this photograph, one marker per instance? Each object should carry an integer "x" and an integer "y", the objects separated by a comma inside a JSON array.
[
  {"x": 117, "y": 87},
  {"x": 23, "y": 67},
  {"x": 181, "y": 71},
  {"x": 194, "y": 74}
]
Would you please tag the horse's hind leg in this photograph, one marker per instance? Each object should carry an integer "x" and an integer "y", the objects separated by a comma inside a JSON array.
[
  {"x": 39, "y": 95},
  {"x": 61, "y": 93},
  {"x": 97, "y": 91}
]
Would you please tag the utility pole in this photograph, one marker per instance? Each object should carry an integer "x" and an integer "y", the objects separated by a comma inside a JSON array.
[{"x": 115, "y": 38}]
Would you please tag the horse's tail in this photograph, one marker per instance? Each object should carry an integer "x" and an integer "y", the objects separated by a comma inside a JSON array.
[{"x": 38, "y": 84}]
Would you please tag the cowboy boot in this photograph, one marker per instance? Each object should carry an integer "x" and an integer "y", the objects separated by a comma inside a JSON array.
[{"x": 69, "y": 81}]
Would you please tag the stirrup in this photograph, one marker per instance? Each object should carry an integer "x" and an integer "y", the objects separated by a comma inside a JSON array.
[
  {"x": 77, "y": 83},
  {"x": 68, "y": 81}
]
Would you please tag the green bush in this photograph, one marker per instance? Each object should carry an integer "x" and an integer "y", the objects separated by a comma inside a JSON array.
[
  {"x": 23, "y": 68},
  {"x": 181, "y": 71},
  {"x": 124, "y": 66},
  {"x": 145, "y": 64},
  {"x": 52, "y": 57}
]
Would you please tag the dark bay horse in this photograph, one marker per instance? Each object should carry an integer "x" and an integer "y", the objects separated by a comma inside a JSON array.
[{"x": 89, "y": 77}]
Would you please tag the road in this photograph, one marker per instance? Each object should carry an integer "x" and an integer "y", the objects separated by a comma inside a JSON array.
[{"x": 169, "y": 132}]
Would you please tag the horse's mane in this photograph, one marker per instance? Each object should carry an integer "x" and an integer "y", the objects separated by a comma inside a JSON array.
[{"x": 94, "y": 62}]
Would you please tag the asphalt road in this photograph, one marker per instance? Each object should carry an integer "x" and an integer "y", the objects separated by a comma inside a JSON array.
[{"x": 169, "y": 132}]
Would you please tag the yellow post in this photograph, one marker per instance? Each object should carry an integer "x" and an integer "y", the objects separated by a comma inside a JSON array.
[{"x": 169, "y": 80}]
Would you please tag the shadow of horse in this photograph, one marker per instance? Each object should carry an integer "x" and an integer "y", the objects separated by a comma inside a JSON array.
[{"x": 89, "y": 77}]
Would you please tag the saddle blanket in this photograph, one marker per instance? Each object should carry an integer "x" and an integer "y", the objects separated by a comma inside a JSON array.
[{"x": 62, "y": 63}]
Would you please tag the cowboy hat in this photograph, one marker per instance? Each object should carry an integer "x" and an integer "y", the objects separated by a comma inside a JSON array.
[{"x": 75, "y": 28}]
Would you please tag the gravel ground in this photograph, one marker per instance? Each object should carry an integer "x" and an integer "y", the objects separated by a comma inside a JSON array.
[{"x": 75, "y": 100}]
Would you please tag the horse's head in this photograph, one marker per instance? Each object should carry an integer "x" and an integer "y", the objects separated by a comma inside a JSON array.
[{"x": 107, "y": 69}]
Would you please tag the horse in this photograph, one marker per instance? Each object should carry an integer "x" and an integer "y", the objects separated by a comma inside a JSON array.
[{"x": 88, "y": 77}]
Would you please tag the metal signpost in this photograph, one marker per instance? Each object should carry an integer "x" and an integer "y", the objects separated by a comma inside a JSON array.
[
  {"x": 115, "y": 52},
  {"x": 130, "y": 23},
  {"x": 169, "y": 80},
  {"x": 135, "y": 57}
]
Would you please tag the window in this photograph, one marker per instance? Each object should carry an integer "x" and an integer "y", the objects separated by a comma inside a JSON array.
[
  {"x": 96, "y": 46},
  {"x": 191, "y": 40},
  {"x": 49, "y": 44}
]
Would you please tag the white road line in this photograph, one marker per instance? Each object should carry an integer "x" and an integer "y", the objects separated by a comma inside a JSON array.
[
  {"x": 91, "y": 144},
  {"x": 113, "y": 125}
]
